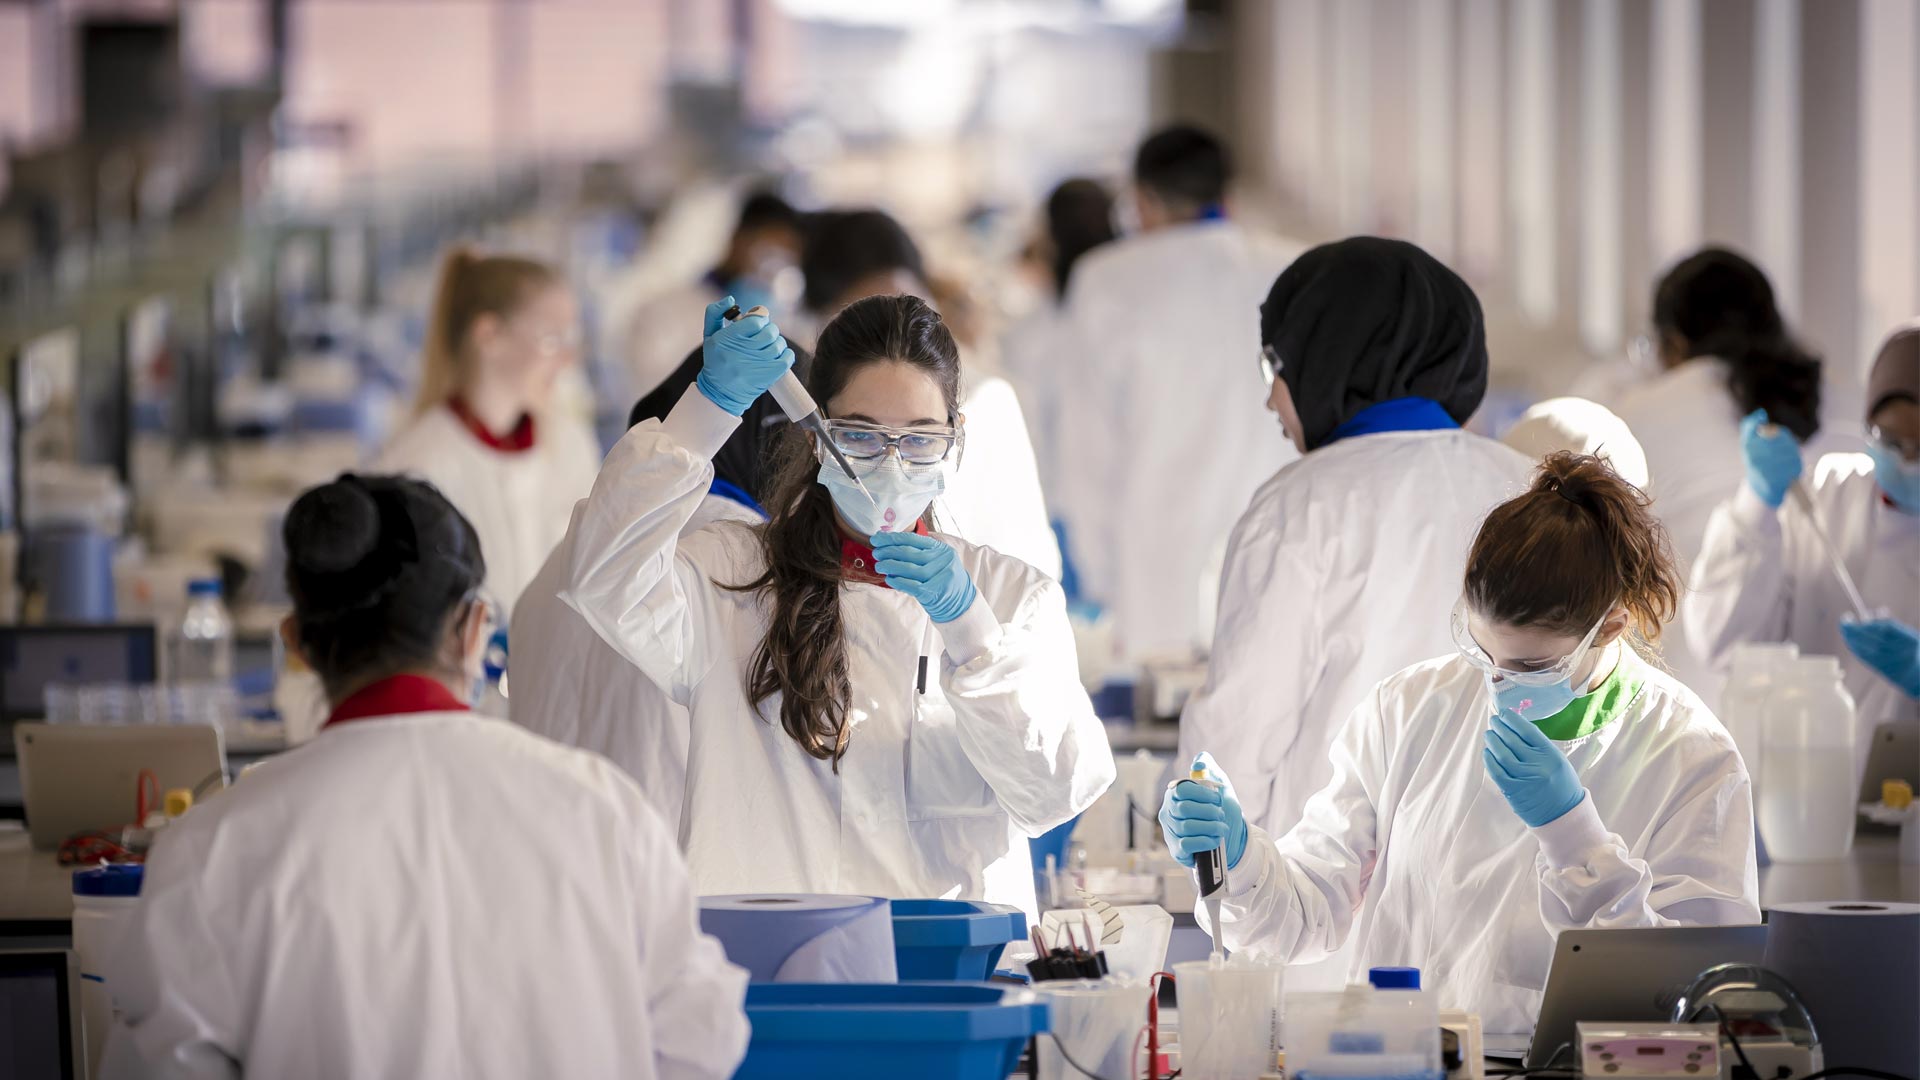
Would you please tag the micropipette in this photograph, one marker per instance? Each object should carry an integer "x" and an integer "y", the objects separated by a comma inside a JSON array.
[
  {"x": 1210, "y": 872},
  {"x": 1803, "y": 502},
  {"x": 794, "y": 400}
]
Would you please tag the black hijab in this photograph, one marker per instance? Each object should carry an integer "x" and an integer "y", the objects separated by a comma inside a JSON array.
[
  {"x": 742, "y": 460},
  {"x": 1366, "y": 320}
]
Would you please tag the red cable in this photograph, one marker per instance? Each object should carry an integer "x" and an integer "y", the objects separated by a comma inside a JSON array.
[{"x": 1153, "y": 1023}]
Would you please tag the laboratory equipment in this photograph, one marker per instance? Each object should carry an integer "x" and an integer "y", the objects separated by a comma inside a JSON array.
[
  {"x": 200, "y": 650},
  {"x": 1757, "y": 1010},
  {"x": 802, "y": 937},
  {"x": 1806, "y": 804},
  {"x": 76, "y": 779},
  {"x": 1670, "y": 1051},
  {"x": 1097, "y": 1024},
  {"x": 1803, "y": 502},
  {"x": 800, "y": 408},
  {"x": 926, "y": 1031},
  {"x": 1210, "y": 872},
  {"x": 1140, "y": 949},
  {"x": 1897, "y": 808},
  {"x": 1852, "y": 965},
  {"x": 953, "y": 939},
  {"x": 1361, "y": 1033},
  {"x": 1462, "y": 1045},
  {"x": 70, "y": 574},
  {"x": 33, "y": 659},
  {"x": 1755, "y": 668},
  {"x": 1230, "y": 1017},
  {"x": 42, "y": 990},
  {"x": 104, "y": 899}
]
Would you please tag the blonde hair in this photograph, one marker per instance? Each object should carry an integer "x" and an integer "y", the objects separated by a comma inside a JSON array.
[{"x": 470, "y": 285}]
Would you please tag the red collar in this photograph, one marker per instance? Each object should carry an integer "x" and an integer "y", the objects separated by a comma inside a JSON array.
[
  {"x": 397, "y": 695},
  {"x": 856, "y": 559},
  {"x": 517, "y": 441}
]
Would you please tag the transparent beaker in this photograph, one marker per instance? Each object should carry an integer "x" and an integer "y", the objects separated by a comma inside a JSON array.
[{"x": 1230, "y": 1018}]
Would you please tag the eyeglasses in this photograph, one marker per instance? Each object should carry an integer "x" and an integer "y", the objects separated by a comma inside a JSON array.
[
  {"x": 1270, "y": 364},
  {"x": 1560, "y": 671},
  {"x": 1907, "y": 449},
  {"x": 549, "y": 344},
  {"x": 861, "y": 441}
]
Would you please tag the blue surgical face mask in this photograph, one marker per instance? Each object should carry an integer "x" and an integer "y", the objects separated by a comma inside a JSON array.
[
  {"x": 1897, "y": 476},
  {"x": 1531, "y": 703},
  {"x": 900, "y": 494}
]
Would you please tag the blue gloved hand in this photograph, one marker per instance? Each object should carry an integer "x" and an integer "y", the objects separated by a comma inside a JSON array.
[
  {"x": 1773, "y": 458},
  {"x": 926, "y": 569},
  {"x": 1196, "y": 818},
  {"x": 741, "y": 359},
  {"x": 1537, "y": 779},
  {"x": 1889, "y": 647}
]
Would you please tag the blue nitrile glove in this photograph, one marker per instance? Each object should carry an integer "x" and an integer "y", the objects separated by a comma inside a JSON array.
[
  {"x": 1889, "y": 647},
  {"x": 1537, "y": 779},
  {"x": 741, "y": 359},
  {"x": 1773, "y": 459},
  {"x": 1196, "y": 818},
  {"x": 926, "y": 569}
]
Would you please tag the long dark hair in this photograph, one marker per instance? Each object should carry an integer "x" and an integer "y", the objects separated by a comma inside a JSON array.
[
  {"x": 1579, "y": 541},
  {"x": 803, "y": 657},
  {"x": 1722, "y": 305}
]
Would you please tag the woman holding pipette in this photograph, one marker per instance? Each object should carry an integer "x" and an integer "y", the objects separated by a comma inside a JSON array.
[{"x": 1829, "y": 561}]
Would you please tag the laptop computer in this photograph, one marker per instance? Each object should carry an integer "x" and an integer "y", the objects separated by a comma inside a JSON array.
[
  {"x": 81, "y": 777},
  {"x": 1626, "y": 975},
  {"x": 40, "y": 1026},
  {"x": 32, "y": 657}
]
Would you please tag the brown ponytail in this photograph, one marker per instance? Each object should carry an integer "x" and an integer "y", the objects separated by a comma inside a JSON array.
[
  {"x": 803, "y": 657},
  {"x": 470, "y": 285},
  {"x": 1580, "y": 541}
]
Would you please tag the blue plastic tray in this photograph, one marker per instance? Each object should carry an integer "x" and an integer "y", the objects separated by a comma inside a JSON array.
[
  {"x": 952, "y": 939},
  {"x": 862, "y": 1031}
]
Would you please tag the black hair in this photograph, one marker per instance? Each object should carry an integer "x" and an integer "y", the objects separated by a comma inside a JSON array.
[
  {"x": 1722, "y": 305},
  {"x": 1184, "y": 167},
  {"x": 844, "y": 246},
  {"x": 378, "y": 567},
  {"x": 745, "y": 458},
  {"x": 764, "y": 209},
  {"x": 1079, "y": 219}
]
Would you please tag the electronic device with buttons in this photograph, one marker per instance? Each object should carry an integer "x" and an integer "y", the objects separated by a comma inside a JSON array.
[{"x": 1644, "y": 1051}]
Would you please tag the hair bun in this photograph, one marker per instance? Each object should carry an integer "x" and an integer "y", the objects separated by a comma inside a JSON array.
[{"x": 333, "y": 528}]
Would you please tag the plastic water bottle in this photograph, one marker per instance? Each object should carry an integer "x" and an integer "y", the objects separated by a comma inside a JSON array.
[{"x": 202, "y": 649}]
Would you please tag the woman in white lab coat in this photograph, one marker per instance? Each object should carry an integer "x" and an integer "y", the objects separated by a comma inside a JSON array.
[
  {"x": 996, "y": 501},
  {"x": 1541, "y": 777},
  {"x": 501, "y": 332},
  {"x": 1764, "y": 574},
  {"x": 1724, "y": 351},
  {"x": 875, "y": 708},
  {"x": 417, "y": 892},
  {"x": 1584, "y": 427},
  {"x": 572, "y": 687},
  {"x": 1342, "y": 570}
]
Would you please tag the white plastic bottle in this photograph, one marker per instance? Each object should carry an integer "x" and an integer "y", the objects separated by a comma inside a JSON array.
[
  {"x": 202, "y": 646},
  {"x": 1756, "y": 668},
  {"x": 1807, "y": 800}
]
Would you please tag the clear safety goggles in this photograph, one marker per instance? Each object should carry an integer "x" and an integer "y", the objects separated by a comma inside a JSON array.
[
  {"x": 1906, "y": 449},
  {"x": 863, "y": 442},
  {"x": 1270, "y": 364},
  {"x": 1561, "y": 671},
  {"x": 1643, "y": 355}
]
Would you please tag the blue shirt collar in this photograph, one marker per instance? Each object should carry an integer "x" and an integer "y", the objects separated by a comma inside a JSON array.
[
  {"x": 733, "y": 492},
  {"x": 1398, "y": 414}
]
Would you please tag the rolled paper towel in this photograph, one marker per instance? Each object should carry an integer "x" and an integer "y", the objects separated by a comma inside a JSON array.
[
  {"x": 1856, "y": 967},
  {"x": 805, "y": 937}
]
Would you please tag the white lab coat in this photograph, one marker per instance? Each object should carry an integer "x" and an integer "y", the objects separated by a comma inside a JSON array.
[
  {"x": 1039, "y": 368},
  {"x": 993, "y": 495},
  {"x": 424, "y": 895},
  {"x": 1344, "y": 570},
  {"x": 937, "y": 793},
  {"x": 1412, "y": 851},
  {"x": 1763, "y": 576},
  {"x": 1689, "y": 427},
  {"x": 1163, "y": 435},
  {"x": 518, "y": 503},
  {"x": 571, "y": 687}
]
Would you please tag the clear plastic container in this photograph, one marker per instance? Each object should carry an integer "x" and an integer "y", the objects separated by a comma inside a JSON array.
[
  {"x": 1363, "y": 1034},
  {"x": 1230, "y": 1018},
  {"x": 1807, "y": 802},
  {"x": 1757, "y": 666},
  {"x": 1099, "y": 1022},
  {"x": 201, "y": 647}
]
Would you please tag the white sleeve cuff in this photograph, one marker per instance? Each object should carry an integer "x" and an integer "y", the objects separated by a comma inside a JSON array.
[
  {"x": 1245, "y": 877},
  {"x": 1567, "y": 839},
  {"x": 968, "y": 637},
  {"x": 1751, "y": 513},
  {"x": 700, "y": 425}
]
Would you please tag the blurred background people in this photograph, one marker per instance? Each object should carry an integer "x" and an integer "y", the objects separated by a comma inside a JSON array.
[{"x": 1581, "y": 427}]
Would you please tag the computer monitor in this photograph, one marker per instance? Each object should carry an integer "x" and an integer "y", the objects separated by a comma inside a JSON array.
[
  {"x": 40, "y": 1027},
  {"x": 32, "y": 657}
]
